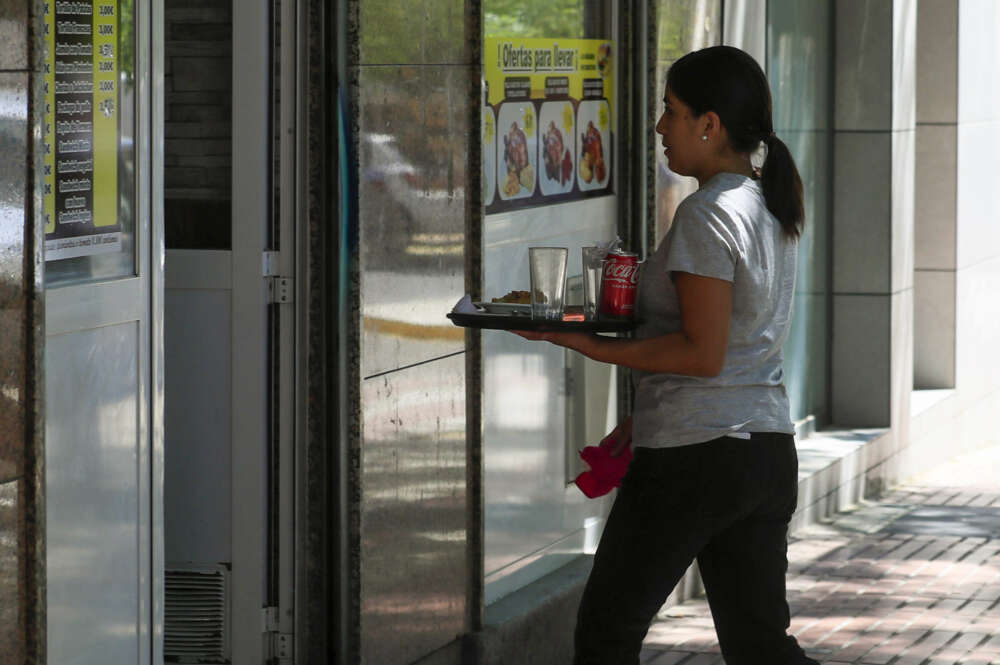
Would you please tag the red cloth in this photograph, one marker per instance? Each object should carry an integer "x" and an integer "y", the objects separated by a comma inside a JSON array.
[{"x": 606, "y": 472}]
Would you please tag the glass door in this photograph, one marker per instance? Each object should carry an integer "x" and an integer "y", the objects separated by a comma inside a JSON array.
[{"x": 103, "y": 349}]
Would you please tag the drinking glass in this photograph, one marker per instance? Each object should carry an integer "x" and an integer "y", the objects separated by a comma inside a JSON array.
[
  {"x": 548, "y": 281},
  {"x": 593, "y": 267}
]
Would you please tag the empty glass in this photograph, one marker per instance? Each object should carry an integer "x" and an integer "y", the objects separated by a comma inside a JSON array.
[
  {"x": 548, "y": 281},
  {"x": 593, "y": 264}
]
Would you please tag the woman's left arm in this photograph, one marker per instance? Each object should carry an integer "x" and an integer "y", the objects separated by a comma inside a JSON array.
[{"x": 699, "y": 349}]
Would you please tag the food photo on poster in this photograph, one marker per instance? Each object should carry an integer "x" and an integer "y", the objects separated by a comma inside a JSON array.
[
  {"x": 592, "y": 116},
  {"x": 517, "y": 150},
  {"x": 489, "y": 136},
  {"x": 558, "y": 123}
]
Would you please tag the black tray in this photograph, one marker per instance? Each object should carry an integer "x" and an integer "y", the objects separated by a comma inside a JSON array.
[{"x": 489, "y": 321}]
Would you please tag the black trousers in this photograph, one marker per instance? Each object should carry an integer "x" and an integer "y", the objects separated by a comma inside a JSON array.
[{"x": 728, "y": 503}]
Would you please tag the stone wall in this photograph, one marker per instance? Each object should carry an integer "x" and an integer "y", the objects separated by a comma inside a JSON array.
[{"x": 22, "y": 528}]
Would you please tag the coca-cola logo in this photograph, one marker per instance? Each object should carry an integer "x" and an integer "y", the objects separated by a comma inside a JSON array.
[{"x": 621, "y": 272}]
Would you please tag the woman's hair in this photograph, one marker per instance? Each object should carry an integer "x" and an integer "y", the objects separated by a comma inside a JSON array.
[{"x": 729, "y": 82}]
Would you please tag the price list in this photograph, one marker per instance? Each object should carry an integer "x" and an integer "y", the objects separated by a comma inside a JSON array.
[{"x": 81, "y": 128}]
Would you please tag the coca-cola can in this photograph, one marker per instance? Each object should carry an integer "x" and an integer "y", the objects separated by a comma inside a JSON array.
[{"x": 618, "y": 285}]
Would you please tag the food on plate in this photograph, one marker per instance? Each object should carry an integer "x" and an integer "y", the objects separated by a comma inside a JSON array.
[
  {"x": 555, "y": 161},
  {"x": 515, "y": 157},
  {"x": 585, "y": 171},
  {"x": 592, "y": 160},
  {"x": 511, "y": 184},
  {"x": 518, "y": 297},
  {"x": 527, "y": 177}
]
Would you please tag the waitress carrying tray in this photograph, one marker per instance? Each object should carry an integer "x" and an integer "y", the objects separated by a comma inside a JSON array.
[{"x": 573, "y": 321}]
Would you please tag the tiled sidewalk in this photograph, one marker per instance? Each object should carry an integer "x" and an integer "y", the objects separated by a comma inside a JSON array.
[{"x": 912, "y": 578}]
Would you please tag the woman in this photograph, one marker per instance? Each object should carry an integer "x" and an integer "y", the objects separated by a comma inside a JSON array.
[{"x": 715, "y": 472}]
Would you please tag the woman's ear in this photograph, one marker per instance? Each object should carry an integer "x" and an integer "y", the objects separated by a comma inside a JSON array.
[{"x": 711, "y": 124}]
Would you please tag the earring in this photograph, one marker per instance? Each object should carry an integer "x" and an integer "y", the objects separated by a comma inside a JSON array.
[{"x": 704, "y": 137}]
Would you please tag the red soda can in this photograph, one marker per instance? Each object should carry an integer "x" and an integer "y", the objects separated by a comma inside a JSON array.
[{"x": 618, "y": 285}]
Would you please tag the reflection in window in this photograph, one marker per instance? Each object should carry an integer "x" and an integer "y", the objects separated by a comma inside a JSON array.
[
  {"x": 681, "y": 26},
  {"x": 799, "y": 50},
  {"x": 576, "y": 19}
]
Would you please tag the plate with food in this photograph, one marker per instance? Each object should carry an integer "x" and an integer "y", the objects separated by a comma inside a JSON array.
[
  {"x": 557, "y": 124},
  {"x": 507, "y": 308},
  {"x": 511, "y": 303},
  {"x": 593, "y": 135},
  {"x": 517, "y": 150}
]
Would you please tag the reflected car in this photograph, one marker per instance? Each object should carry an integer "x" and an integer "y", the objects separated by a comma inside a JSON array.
[{"x": 405, "y": 223}]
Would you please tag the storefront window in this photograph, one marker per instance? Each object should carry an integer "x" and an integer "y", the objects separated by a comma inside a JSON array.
[
  {"x": 88, "y": 162},
  {"x": 681, "y": 26},
  {"x": 551, "y": 177},
  {"x": 799, "y": 49}
]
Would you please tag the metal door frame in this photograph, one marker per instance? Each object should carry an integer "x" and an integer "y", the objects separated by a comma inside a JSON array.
[
  {"x": 264, "y": 356},
  {"x": 250, "y": 203},
  {"x": 285, "y": 352},
  {"x": 157, "y": 47}
]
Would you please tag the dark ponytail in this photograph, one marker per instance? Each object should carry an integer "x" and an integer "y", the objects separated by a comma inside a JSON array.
[
  {"x": 729, "y": 82},
  {"x": 779, "y": 178}
]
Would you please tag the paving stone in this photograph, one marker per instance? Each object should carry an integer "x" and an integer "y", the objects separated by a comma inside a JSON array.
[
  {"x": 670, "y": 658},
  {"x": 920, "y": 651},
  {"x": 957, "y": 650},
  {"x": 648, "y": 653}
]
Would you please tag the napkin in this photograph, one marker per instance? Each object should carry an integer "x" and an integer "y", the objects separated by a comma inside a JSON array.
[
  {"x": 465, "y": 306},
  {"x": 606, "y": 472}
]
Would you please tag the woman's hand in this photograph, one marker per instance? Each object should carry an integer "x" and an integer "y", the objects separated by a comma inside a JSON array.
[
  {"x": 571, "y": 340},
  {"x": 619, "y": 438},
  {"x": 697, "y": 349}
]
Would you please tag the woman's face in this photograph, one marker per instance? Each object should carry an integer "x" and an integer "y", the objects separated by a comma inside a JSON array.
[{"x": 681, "y": 141}]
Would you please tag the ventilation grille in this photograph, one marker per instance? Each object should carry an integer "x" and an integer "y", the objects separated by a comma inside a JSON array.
[{"x": 196, "y": 625}]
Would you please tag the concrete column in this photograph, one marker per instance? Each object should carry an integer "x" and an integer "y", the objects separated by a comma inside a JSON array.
[
  {"x": 977, "y": 198},
  {"x": 936, "y": 195},
  {"x": 22, "y": 516},
  {"x": 957, "y": 335},
  {"x": 874, "y": 144}
]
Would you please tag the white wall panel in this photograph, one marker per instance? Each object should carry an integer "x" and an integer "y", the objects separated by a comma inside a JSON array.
[
  {"x": 978, "y": 59},
  {"x": 978, "y": 228}
]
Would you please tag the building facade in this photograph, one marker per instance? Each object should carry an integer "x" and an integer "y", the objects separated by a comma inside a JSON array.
[{"x": 236, "y": 425}]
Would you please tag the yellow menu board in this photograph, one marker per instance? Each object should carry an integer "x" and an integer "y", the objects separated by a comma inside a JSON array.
[
  {"x": 548, "y": 121},
  {"x": 80, "y": 168}
]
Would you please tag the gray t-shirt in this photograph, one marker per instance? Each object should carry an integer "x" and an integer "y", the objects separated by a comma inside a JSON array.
[{"x": 724, "y": 230}]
